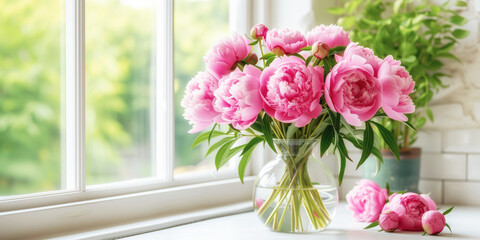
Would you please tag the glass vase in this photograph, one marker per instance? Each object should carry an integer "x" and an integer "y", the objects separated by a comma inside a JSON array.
[{"x": 295, "y": 192}]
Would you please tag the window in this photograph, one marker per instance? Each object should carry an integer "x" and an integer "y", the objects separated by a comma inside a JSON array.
[{"x": 89, "y": 104}]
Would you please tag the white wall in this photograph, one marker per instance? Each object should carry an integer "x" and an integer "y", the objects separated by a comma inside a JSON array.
[{"x": 450, "y": 168}]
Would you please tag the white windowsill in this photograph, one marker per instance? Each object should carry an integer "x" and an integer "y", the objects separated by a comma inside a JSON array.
[
  {"x": 85, "y": 216},
  {"x": 463, "y": 220},
  {"x": 161, "y": 223}
]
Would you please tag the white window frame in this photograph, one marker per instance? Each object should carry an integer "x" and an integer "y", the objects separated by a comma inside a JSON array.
[{"x": 78, "y": 207}]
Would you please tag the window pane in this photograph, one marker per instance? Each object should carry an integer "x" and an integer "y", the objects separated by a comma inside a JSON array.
[
  {"x": 32, "y": 66},
  {"x": 197, "y": 24},
  {"x": 120, "y": 48}
]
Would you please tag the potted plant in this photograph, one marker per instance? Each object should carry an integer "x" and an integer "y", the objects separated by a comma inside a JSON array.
[
  {"x": 308, "y": 91},
  {"x": 420, "y": 34}
]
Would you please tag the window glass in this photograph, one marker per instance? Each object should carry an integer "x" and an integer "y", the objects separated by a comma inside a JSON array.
[
  {"x": 120, "y": 73},
  {"x": 32, "y": 67},
  {"x": 197, "y": 24}
]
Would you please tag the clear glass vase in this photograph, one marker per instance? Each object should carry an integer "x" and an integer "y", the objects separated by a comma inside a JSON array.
[{"x": 295, "y": 192}]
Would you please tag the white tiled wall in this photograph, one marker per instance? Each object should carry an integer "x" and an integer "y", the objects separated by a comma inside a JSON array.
[{"x": 450, "y": 174}]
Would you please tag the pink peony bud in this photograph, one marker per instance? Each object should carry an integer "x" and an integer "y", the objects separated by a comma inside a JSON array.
[
  {"x": 433, "y": 222},
  {"x": 259, "y": 31},
  {"x": 389, "y": 220},
  {"x": 320, "y": 50},
  {"x": 258, "y": 203},
  {"x": 252, "y": 59}
]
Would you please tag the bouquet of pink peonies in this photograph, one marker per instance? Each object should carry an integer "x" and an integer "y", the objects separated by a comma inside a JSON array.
[
  {"x": 404, "y": 211},
  {"x": 315, "y": 87}
]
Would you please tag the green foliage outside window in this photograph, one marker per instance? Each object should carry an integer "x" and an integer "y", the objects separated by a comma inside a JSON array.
[{"x": 32, "y": 60}]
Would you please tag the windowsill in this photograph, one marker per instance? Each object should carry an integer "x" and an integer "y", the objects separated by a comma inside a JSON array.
[
  {"x": 244, "y": 225},
  {"x": 85, "y": 216},
  {"x": 162, "y": 223}
]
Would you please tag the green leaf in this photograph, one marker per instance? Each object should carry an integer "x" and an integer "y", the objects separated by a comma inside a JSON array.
[
  {"x": 429, "y": 113},
  {"x": 243, "y": 163},
  {"x": 218, "y": 144},
  {"x": 448, "y": 55},
  {"x": 458, "y": 20},
  {"x": 257, "y": 125},
  {"x": 291, "y": 130},
  {"x": 434, "y": 65},
  {"x": 447, "y": 47},
  {"x": 372, "y": 225},
  {"x": 397, "y": 5},
  {"x": 409, "y": 59},
  {"x": 336, "y": 10},
  {"x": 410, "y": 126},
  {"x": 234, "y": 151},
  {"x": 387, "y": 186},
  {"x": 268, "y": 56},
  {"x": 204, "y": 137},
  {"x": 306, "y": 48},
  {"x": 336, "y": 50},
  {"x": 253, "y": 43},
  {"x": 341, "y": 172},
  {"x": 309, "y": 59},
  {"x": 449, "y": 228},
  {"x": 211, "y": 132},
  {"x": 388, "y": 138},
  {"x": 367, "y": 143},
  {"x": 448, "y": 211},
  {"x": 347, "y": 22},
  {"x": 341, "y": 147},
  {"x": 460, "y": 33},
  {"x": 326, "y": 140},
  {"x": 460, "y": 4},
  {"x": 297, "y": 55},
  {"x": 251, "y": 144},
  {"x": 267, "y": 131},
  {"x": 435, "y": 10},
  {"x": 221, "y": 157},
  {"x": 270, "y": 60}
]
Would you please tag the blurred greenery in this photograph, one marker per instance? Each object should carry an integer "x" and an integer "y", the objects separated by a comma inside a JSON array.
[
  {"x": 120, "y": 42},
  {"x": 197, "y": 24}
]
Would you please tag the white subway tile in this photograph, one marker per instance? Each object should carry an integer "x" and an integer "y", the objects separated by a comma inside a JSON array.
[
  {"x": 467, "y": 193},
  {"x": 443, "y": 166},
  {"x": 473, "y": 167},
  {"x": 434, "y": 188},
  {"x": 465, "y": 141},
  {"x": 429, "y": 141}
]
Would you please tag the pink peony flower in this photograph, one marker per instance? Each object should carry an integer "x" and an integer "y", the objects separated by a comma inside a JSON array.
[
  {"x": 352, "y": 90},
  {"x": 389, "y": 220},
  {"x": 285, "y": 41},
  {"x": 238, "y": 99},
  {"x": 410, "y": 207},
  {"x": 259, "y": 31},
  {"x": 354, "y": 49},
  {"x": 291, "y": 91},
  {"x": 397, "y": 84},
  {"x": 430, "y": 202},
  {"x": 224, "y": 55},
  {"x": 198, "y": 101},
  {"x": 366, "y": 200},
  {"x": 320, "y": 50},
  {"x": 433, "y": 222},
  {"x": 332, "y": 35}
]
